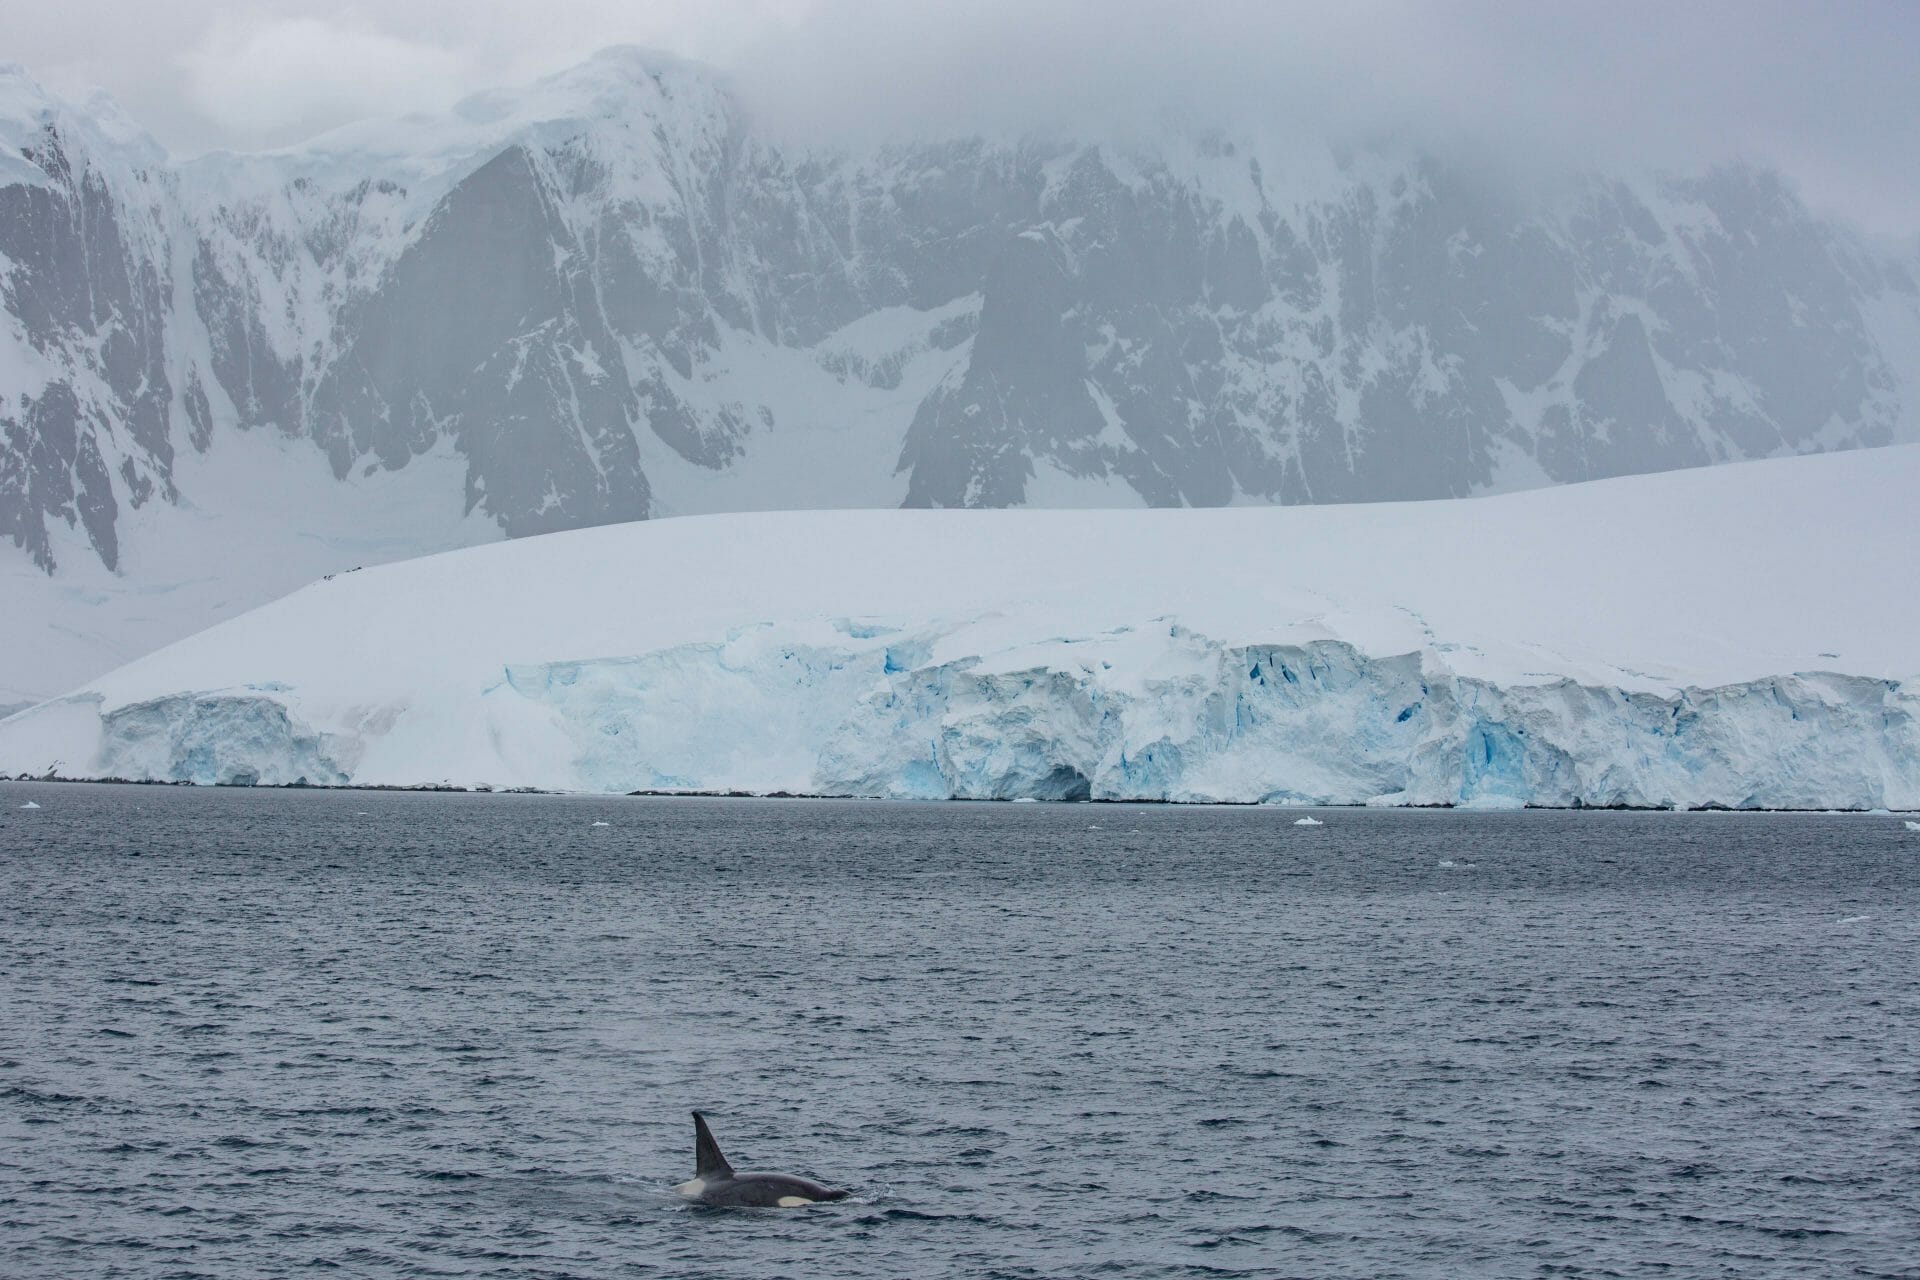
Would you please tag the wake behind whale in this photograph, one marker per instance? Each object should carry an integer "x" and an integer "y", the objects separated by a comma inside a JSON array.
[{"x": 715, "y": 1183}]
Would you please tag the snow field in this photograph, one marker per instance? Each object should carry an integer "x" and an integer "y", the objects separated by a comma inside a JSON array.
[{"x": 1740, "y": 636}]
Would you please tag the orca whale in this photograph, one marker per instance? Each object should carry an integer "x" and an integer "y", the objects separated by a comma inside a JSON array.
[{"x": 714, "y": 1182}]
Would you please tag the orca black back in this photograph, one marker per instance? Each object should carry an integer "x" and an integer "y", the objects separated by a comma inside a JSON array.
[{"x": 715, "y": 1183}]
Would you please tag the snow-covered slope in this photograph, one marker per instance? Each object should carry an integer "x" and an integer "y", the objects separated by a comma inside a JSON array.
[
  {"x": 614, "y": 294},
  {"x": 1746, "y": 636},
  {"x": 276, "y": 524}
]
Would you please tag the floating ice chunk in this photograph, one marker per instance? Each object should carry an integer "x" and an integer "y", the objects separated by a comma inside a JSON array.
[
  {"x": 603, "y": 824},
  {"x": 31, "y": 805},
  {"x": 1026, "y": 799},
  {"x": 1308, "y": 822},
  {"x": 1856, "y": 919},
  {"x": 1912, "y": 825}
]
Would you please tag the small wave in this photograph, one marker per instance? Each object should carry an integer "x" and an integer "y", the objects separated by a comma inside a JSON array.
[
  {"x": 1202, "y": 1269},
  {"x": 1250, "y": 1234},
  {"x": 1696, "y": 1169},
  {"x": 915, "y": 1215},
  {"x": 1766, "y": 1229},
  {"x": 25, "y": 1094}
]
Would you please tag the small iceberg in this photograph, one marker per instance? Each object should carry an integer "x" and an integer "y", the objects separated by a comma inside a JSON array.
[
  {"x": 603, "y": 824},
  {"x": 1911, "y": 824},
  {"x": 1308, "y": 822},
  {"x": 31, "y": 805}
]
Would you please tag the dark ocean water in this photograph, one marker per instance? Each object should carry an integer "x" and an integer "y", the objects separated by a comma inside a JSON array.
[{"x": 248, "y": 1034}]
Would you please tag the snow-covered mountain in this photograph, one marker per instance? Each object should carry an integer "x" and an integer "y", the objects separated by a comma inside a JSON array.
[
  {"x": 615, "y": 295},
  {"x": 1653, "y": 640}
]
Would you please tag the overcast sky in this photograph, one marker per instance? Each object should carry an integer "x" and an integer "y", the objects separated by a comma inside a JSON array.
[{"x": 1827, "y": 90}]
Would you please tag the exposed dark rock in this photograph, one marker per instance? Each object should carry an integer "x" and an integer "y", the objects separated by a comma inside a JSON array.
[{"x": 1192, "y": 334}]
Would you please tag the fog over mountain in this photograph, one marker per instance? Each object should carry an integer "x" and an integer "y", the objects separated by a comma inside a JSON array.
[{"x": 629, "y": 291}]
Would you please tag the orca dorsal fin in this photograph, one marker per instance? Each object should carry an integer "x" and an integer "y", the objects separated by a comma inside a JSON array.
[{"x": 707, "y": 1160}]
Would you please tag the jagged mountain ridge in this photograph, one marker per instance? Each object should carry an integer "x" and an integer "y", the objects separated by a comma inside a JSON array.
[{"x": 615, "y": 296}]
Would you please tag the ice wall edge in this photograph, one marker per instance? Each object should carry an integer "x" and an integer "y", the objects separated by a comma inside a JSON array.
[{"x": 1185, "y": 719}]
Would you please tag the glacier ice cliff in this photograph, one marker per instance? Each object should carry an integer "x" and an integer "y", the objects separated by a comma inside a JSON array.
[
  {"x": 239, "y": 740},
  {"x": 1181, "y": 717},
  {"x": 1578, "y": 646},
  {"x": 1186, "y": 718}
]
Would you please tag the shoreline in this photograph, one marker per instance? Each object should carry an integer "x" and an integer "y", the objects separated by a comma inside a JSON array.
[{"x": 451, "y": 789}]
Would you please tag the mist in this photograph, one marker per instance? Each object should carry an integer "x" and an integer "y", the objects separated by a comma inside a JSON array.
[
  {"x": 1824, "y": 93},
  {"x": 1828, "y": 95}
]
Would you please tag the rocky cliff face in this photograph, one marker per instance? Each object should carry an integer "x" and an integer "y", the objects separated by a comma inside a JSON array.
[
  {"x": 86, "y": 397},
  {"x": 613, "y": 297}
]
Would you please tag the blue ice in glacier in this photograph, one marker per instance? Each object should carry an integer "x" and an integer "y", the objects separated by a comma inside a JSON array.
[{"x": 1316, "y": 723}]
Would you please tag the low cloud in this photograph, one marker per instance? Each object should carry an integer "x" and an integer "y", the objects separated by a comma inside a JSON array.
[
  {"x": 1826, "y": 92},
  {"x": 272, "y": 82}
]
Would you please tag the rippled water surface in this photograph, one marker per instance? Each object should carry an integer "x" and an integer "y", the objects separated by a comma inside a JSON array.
[{"x": 252, "y": 1034}]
